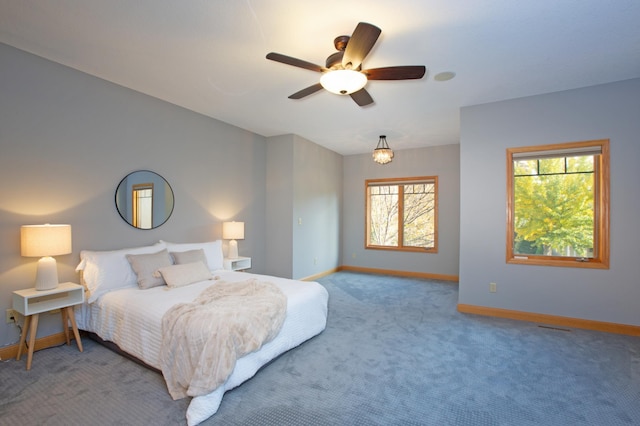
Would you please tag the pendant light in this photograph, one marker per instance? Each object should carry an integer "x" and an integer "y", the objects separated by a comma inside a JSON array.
[{"x": 382, "y": 154}]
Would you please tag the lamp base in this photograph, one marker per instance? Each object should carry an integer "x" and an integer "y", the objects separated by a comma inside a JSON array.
[
  {"x": 233, "y": 249},
  {"x": 47, "y": 274}
]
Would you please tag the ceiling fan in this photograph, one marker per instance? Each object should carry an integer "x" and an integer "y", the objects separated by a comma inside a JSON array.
[{"x": 343, "y": 73}]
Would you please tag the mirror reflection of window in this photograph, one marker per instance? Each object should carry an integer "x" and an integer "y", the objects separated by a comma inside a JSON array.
[
  {"x": 144, "y": 199},
  {"x": 142, "y": 203}
]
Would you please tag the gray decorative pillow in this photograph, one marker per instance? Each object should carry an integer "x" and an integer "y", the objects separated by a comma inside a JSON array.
[
  {"x": 189, "y": 256},
  {"x": 144, "y": 265},
  {"x": 185, "y": 274}
]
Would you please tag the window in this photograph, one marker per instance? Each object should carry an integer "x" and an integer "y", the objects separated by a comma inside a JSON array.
[
  {"x": 402, "y": 214},
  {"x": 558, "y": 205},
  {"x": 143, "y": 205}
]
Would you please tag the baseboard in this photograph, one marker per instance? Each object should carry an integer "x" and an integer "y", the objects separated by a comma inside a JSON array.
[
  {"x": 51, "y": 340},
  {"x": 399, "y": 273},
  {"x": 609, "y": 327},
  {"x": 320, "y": 275},
  {"x": 409, "y": 274}
]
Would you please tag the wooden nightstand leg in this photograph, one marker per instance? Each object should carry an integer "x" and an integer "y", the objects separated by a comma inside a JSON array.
[
  {"x": 74, "y": 326},
  {"x": 23, "y": 337},
  {"x": 65, "y": 325},
  {"x": 32, "y": 338}
]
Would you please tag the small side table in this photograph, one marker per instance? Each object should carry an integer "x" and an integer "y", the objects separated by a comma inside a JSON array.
[
  {"x": 237, "y": 263},
  {"x": 31, "y": 303}
]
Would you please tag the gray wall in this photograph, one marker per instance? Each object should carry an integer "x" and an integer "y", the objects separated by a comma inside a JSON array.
[
  {"x": 66, "y": 141},
  {"x": 608, "y": 111},
  {"x": 279, "y": 213},
  {"x": 317, "y": 206},
  {"x": 442, "y": 161},
  {"x": 304, "y": 194}
]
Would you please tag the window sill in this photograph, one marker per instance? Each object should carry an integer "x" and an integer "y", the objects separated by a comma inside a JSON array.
[
  {"x": 566, "y": 263},
  {"x": 407, "y": 249}
]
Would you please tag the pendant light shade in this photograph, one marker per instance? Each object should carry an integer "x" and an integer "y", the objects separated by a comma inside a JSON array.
[{"x": 382, "y": 154}]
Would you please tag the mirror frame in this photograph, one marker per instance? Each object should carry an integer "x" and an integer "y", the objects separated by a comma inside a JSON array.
[{"x": 161, "y": 211}]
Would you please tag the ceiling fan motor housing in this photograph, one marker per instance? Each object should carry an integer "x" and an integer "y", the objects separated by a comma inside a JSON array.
[{"x": 334, "y": 61}]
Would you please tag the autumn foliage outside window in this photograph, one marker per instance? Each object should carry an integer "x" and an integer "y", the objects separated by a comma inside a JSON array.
[{"x": 558, "y": 204}]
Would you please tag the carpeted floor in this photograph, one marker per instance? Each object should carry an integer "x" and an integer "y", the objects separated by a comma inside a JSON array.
[{"x": 395, "y": 352}]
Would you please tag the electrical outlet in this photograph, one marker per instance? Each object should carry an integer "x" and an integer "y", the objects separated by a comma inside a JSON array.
[
  {"x": 11, "y": 314},
  {"x": 493, "y": 287}
]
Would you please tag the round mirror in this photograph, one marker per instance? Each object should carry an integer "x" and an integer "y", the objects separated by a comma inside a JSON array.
[{"x": 144, "y": 199}]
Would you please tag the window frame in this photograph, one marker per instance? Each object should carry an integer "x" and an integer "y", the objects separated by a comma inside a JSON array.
[
  {"x": 600, "y": 259},
  {"x": 135, "y": 204},
  {"x": 399, "y": 182}
]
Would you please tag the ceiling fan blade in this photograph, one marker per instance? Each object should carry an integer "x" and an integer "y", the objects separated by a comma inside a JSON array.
[
  {"x": 409, "y": 72},
  {"x": 306, "y": 92},
  {"x": 362, "y": 97},
  {"x": 295, "y": 62},
  {"x": 362, "y": 40}
]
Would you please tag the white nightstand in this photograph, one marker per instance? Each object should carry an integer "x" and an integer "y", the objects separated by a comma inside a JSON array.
[
  {"x": 31, "y": 303},
  {"x": 237, "y": 263}
]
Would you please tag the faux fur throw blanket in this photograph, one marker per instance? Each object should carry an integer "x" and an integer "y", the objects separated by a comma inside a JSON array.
[{"x": 202, "y": 340}]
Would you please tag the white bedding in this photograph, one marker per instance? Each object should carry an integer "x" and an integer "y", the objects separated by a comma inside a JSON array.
[{"x": 132, "y": 319}]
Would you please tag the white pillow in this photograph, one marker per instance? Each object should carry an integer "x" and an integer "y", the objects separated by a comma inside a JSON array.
[
  {"x": 185, "y": 274},
  {"x": 144, "y": 265},
  {"x": 103, "y": 271},
  {"x": 212, "y": 251}
]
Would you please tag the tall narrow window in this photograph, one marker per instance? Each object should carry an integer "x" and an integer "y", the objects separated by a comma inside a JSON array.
[
  {"x": 558, "y": 205},
  {"x": 402, "y": 214},
  {"x": 143, "y": 205}
]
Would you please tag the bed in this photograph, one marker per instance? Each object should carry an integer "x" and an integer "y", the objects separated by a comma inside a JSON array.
[{"x": 122, "y": 308}]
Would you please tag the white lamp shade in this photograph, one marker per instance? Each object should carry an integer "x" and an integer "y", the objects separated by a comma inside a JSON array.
[
  {"x": 233, "y": 230},
  {"x": 45, "y": 241}
]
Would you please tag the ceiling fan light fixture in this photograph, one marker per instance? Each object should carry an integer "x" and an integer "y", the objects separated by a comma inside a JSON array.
[
  {"x": 343, "y": 82},
  {"x": 382, "y": 154}
]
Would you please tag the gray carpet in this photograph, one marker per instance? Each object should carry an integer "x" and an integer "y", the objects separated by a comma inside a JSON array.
[{"x": 395, "y": 352}]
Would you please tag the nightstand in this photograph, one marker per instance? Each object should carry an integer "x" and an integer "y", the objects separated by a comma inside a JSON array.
[
  {"x": 31, "y": 303},
  {"x": 237, "y": 263}
]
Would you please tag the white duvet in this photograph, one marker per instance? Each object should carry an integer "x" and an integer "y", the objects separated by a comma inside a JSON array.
[{"x": 132, "y": 319}]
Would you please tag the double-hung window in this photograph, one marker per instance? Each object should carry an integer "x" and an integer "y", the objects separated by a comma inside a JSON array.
[
  {"x": 558, "y": 205},
  {"x": 402, "y": 214}
]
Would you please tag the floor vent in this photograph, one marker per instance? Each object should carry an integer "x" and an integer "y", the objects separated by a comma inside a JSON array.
[{"x": 553, "y": 328}]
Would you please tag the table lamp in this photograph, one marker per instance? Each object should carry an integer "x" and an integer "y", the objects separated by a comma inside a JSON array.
[
  {"x": 233, "y": 231},
  {"x": 45, "y": 241}
]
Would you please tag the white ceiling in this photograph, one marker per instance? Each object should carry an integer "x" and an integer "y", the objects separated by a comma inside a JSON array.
[{"x": 209, "y": 57}]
